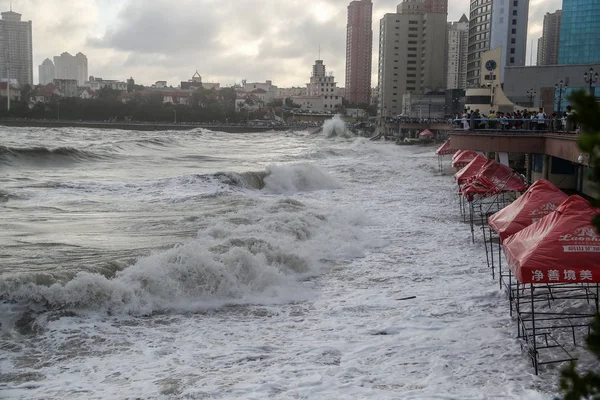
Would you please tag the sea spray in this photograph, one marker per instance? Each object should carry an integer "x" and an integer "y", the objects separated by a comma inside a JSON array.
[{"x": 335, "y": 127}]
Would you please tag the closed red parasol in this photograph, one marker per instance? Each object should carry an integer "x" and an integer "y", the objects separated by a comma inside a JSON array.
[
  {"x": 539, "y": 200},
  {"x": 562, "y": 247}
]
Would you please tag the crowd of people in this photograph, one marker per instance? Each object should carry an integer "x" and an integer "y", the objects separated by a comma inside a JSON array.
[{"x": 523, "y": 120}]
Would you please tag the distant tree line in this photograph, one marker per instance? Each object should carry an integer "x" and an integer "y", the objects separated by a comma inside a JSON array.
[{"x": 203, "y": 106}]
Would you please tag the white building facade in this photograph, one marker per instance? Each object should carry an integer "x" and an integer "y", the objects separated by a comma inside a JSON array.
[
  {"x": 99, "y": 83},
  {"x": 457, "y": 50},
  {"x": 46, "y": 72},
  {"x": 322, "y": 93},
  {"x": 71, "y": 67},
  {"x": 16, "y": 48}
]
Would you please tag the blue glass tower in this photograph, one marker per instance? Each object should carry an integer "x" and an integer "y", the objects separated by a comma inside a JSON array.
[{"x": 580, "y": 32}]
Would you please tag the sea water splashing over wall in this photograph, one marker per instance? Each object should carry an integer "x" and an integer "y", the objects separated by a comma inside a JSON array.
[{"x": 335, "y": 127}]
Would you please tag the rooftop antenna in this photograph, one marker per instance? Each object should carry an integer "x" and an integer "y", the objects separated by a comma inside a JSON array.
[
  {"x": 10, "y": 5},
  {"x": 319, "y": 52}
]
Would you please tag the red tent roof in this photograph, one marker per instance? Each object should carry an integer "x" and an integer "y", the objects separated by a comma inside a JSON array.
[
  {"x": 445, "y": 149},
  {"x": 561, "y": 247},
  {"x": 470, "y": 170},
  {"x": 494, "y": 178},
  {"x": 465, "y": 157},
  {"x": 538, "y": 201},
  {"x": 426, "y": 133}
]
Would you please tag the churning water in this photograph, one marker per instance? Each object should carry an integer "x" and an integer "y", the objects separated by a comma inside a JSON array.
[{"x": 203, "y": 264}]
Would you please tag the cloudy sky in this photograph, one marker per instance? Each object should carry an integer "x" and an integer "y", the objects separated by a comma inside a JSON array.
[{"x": 225, "y": 40}]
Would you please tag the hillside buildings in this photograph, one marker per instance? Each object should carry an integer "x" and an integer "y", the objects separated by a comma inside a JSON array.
[
  {"x": 547, "y": 52},
  {"x": 412, "y": 47},
  {"x": 457, "y": 51},
  {"x": 359, "y": 50},
  {"x": 196, "y": 83},
  {"x": 16, "y": 50}
]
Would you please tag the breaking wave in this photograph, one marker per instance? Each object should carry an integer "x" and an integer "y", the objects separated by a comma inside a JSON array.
[{"x": 257, "y": 255}]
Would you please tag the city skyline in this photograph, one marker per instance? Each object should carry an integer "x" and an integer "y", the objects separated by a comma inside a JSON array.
[{"x": 164, "y": 41}]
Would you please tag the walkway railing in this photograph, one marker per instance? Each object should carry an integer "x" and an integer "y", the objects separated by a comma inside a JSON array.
[{"x": 513, "y": 125}]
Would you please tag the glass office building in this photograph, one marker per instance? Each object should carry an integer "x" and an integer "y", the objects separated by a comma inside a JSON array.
[{"x": 580, "y": 32}]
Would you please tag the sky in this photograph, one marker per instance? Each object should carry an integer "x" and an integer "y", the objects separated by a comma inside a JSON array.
[{"x": 225, "y": 40}]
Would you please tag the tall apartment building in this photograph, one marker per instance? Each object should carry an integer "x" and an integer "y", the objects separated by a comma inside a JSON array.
[
  {"x": 457, "y": 50},
  {"x": 480, "y": 33},
  {"x": 71, "y": 67},
  {"x": 579, "y": 32},
  {"x": 436, "y": 6},
  {"x": 548, "y": 43},
  {"x": 46, "y": 72},
  {"x": 507, "y": 28},
  {"x": 359, "y": 51},
  {"x": 16, "y": 49},
  {"x": 412, "y": 45}
]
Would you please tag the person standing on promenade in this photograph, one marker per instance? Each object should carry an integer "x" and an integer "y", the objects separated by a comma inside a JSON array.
[{"x": 541, "y": 120}]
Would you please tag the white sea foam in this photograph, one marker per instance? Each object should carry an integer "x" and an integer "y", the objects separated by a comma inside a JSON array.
[{"x": 254, "y": 255}]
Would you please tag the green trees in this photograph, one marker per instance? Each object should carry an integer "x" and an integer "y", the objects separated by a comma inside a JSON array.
[
  {"x": 202, "y": 106},
  {"x": 587, "y": 115}
]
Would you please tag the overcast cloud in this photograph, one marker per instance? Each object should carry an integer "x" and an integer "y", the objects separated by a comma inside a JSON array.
[{"x": 225, "y": 40}]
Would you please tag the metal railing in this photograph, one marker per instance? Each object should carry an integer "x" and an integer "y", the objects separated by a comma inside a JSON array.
[{"x": 514, "y": 125}]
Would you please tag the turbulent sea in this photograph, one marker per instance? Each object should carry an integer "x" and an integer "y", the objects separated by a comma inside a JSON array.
[{"x": 209, "y": 265}]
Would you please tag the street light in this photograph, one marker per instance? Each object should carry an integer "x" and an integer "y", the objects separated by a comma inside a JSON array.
[
  {"x": 561, "y": 87},
  {"x": 590, "y": 77},
  {"x": 531, "y": 94},
  {"x": 429, "y": 109}
]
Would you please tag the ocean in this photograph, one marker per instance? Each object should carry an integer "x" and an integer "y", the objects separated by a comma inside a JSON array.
[{"x": 210, "y": 265}]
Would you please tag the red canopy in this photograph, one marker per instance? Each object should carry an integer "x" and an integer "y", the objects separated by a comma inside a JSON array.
[
  {"x": 470, "y": 170},
  {"x": 462, "y": 159},
  {"x": 445, "y": 149},
  {"x": 426, "y": 133},
  {"x": 562, "y": 247},
  {"x": 494, "y": 178},
  {"x": 538, "y": 201}
]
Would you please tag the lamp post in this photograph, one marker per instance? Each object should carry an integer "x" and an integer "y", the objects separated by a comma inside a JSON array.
[
  {"x": 175, "y": 115},
  {"x": 429, "y": 109},
  {"x": 590, "y": 77},
  {"x": 531, "y": 94},
  {"x": 561, "y": 87}
]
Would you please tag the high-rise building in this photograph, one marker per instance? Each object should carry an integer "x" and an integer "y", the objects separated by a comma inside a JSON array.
[
  {"x": 579, "y": 32},
  {"x": 412, "y": 46},
  {"x": 16, "y": 49},
  {"x": 46, "y": 72},
  {"x": 359, "y": 50},
  {"x": 509, "y": 31},
  {"x": 72, "y": 67},
  {"x": 540, "y": 44},
  {"x": 82, "y": 68},
  {"x": 507, "y": 28},
  {"x": 548, "y": 45},
  {"x": 436, "y": 6},
  {"x": 457, "y": 49}
]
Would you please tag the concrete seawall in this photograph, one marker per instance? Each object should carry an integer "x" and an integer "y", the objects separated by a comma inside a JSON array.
[{"x": 141, "y": 126}]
